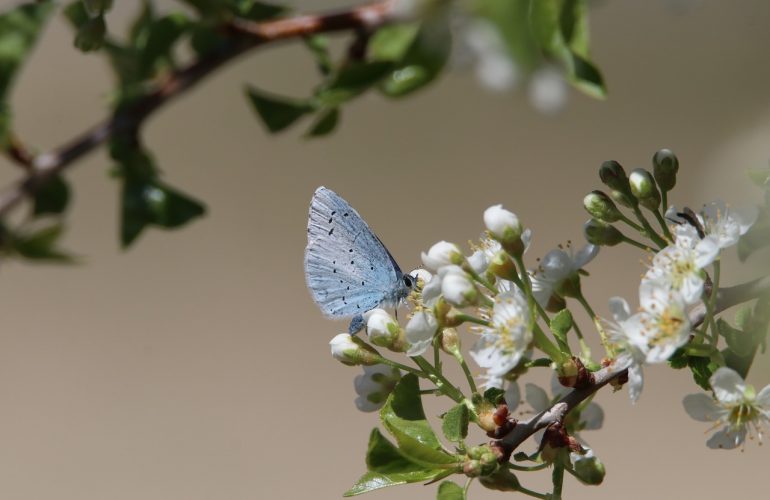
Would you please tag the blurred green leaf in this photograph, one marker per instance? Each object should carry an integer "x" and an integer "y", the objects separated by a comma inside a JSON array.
[
  {"x": 739, "y": 342},
  {"x": 90, "y": 30},
  {"x": 249, "y": 9},
  {"x": 678, "y": 360},
  {"x": 277, "y": 113},
  {"x": 39, "y": 244},
  {"x": 376, "y": 480},
  {"x": 52, "y": 197},
  {"x": 162, "y": 35},
  {"x": 319, "y": 47},
  {"x": 19, "y": 30},
  {"x": 455, "y": 423},
  {"x": 391, "y": 42},
  {"x": 494, "y": 395},
  {"x": 350, "y": 81},
  {"x": 702, "y": 369},
  {"x": 585, "y": 76},
  {"x": 425, "y": 58},
  {"x": 560, "y": 326},
  {"x": 449, "y": 490},
  {"x": 325, "y": 124}
]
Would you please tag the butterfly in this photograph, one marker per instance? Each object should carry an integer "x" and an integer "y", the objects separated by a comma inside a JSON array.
[{"x": 347, "y": 268}]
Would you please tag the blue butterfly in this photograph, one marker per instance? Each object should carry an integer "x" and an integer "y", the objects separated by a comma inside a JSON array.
[{"x": 347, "y": 268}]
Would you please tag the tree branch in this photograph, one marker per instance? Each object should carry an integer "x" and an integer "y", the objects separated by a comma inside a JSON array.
[
  {"x": 243, "y": 36},
  {"x": 726, "y": 298}
]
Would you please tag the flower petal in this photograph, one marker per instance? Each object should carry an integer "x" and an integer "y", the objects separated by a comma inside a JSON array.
[
  {"x": 726, "y": 439},
  {"x": 763, "y": 399},
  {"x": 512, "y": 395},
  {"x": 592, "y": 417},
  {"x": 728, "y": 386},
  {"x": 537, "y": 398},
  {"x": 701, "y": 407},
  {"x": 584, "y": 256},
  {"x": 635, "y": 382},
  {"x": 619, "y": 309}
]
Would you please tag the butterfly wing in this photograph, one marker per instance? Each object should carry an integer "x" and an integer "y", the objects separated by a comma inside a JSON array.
[{"x": 347, "y": 268}]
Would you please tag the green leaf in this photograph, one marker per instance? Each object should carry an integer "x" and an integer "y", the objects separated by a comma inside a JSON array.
[
  {"x": 391, "y": 43},
  {"x": 702, "y": 369},
  {"x": 162, "y": 34},
  {"x": 455, "y": 423},
  {"x": 586, "y": 77},
  {"x": 743, "y": 317},
  {"x": 40, "y": 244},
  {"x": 277, "y": 113},
  {"x": 352, "y": 80},
  {"x": 560, "y": 325},
  {"x": 90, "y": 31},
  {"x": 450, "y": 491},
  {"x": 376, "y": 480},
  {"x": 52, "y": 197},
  {"x": 319, "y": 47},
  {"x": 424, "y": 60},
  {"x": 404, "y": 418},
  {"x": 325, "y": 124},
  {"x": 678, "y": 360},
  {"x": 19, "y": 30},
  {"x": 739, "y": 342},
  {"x": 494, "y": 395},
  {"x": 382, "y": 456},
  {"x": 511, "y": 19}
]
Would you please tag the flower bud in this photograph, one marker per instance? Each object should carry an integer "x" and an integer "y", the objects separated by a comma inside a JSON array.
[
  {"x": 644, "y": 189},
  {"x": 472, "y": 468},
  {"x": 588, "y": 468},
  {"x": 421, "y": 276},
  {"x": 419, "y": 332},
  {"x": 502, "y": 480},
  {"x": 665, "y": 165},
  {"x": 502, "y": 224},
  {"x": 599, "y": 233},
  {"x": 487, "y": 416},
  {"x": 614, "y": 177},
  {"x": 458, "y": 289},
  {"x": 352, "y": 351},
  {"x": 442, "y": 254},
  {"x": 601, "y": 207},
  {"x": 381, "y": 329}
]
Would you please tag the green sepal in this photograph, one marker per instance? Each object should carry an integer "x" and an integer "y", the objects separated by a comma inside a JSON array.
[
  {"x": 561, "y": 323},
  {"x": 37, "y": 244},
  {"x": 494, "y": 395},
  {"x": 455, "y": 423},
  {"x": 702, "y": 369},
  {"x": 277, "y": 113},
  {"x": 449, "y": 490}
]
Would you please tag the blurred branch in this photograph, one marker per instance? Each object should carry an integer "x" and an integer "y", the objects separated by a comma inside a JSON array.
[
  {"x": 242, "y": 35},
  {"x": 727, "y": 297}
]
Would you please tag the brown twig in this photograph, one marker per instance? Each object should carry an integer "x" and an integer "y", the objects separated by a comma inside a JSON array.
[{"x": 242, "y": 35}]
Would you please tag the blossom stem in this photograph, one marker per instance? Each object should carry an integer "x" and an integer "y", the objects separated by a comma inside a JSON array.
[
  {"x": 471, "y": 319},
  {"x": 648, "y": 230},
  {"x": 584, "y": 349},
  {"x": 444, "y": 385},
  {"x": 558, "y": 481},
  {"x": 479, "y": 279},
  {"x": 467, "y": 486},
  {"x": 631, "y": 223},
  {"x": 635, "y": 243},
  {"x": 408, "y": 369},
  {"x": 663, "y": 225},
  {"x": 711, "y": 305},
  {"x": 466, "y": 370},
  {"x": 526, "y": 491},
  {"x": 664, "y": 200},
  {"x": 602, "y": 334},
  {"x": 549, "y": 348}
]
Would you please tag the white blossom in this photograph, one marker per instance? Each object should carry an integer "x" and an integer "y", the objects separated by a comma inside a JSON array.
[
  {"x": 503, "y": 344},
  {"x": 456, "y": 286},
  {"x": 679, "y": 267},
  {"x": 624, "y": 339},
  {"x": 441, "y": 254},
  {"x": 419, "y": 332},
  {"x": 501, "y": 223},
  {"x": 727, "y": 224},
  {"x": 344, "y": 349},
  {"x": 374, "y": 386},
  {"x": 662, "y": 325},
  {"x": 735, "y": 407},
  {"x": 381, "y": 328},
  {"x": 548, "y": 90},
  {"x": 556, "y": 267},
  {"x": 494, "y": 67},
  {"x": 478, "y": 262}
]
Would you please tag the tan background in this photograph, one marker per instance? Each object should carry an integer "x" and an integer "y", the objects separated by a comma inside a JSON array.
[{"x": 195, "y": 365}]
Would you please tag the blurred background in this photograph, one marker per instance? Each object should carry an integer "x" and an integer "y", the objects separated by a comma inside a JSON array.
[{"x": 195, "y": 366}]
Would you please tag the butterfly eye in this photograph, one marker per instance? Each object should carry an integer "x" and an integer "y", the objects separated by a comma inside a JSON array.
[{"x": 408, "y": 281}]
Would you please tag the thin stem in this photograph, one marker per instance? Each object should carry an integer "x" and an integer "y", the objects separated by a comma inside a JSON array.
[
  {"x": 408, "y": 369},
  {"x": 663, "y": 225},
  {"x": 527, "y": 491},
  {"x": 635, "y": 243},
  {"x": 711, "y": 305},
  {"x": 471, "y": 319},
  {"x": 530, "y": 468},
  {"x": 467, "y": 371},
  {"x": 584, "y": 349},
  {"x": 648, "y": 230},
  {"x": 664, "y": 200},
  {"x": 631, "y": 223},
  {"x": 558, "y": 481},
  {"x": 441, "y": 382},
  {"x": 467, "y": 486},
  {"x": 599, "y": 328}
]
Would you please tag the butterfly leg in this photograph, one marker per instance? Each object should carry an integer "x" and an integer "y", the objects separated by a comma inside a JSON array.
[{"x": 356, "y": 324}]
